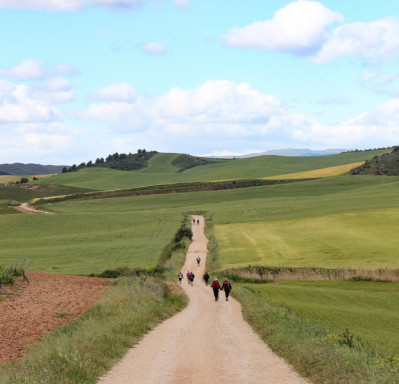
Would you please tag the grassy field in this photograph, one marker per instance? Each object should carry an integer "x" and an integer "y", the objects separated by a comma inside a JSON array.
[
  {"x": 349, "y": 240},
  {"x": 338, "y": 305},
  {"x": 87, "y": 238},
  {"x": 161, "y": 171}
]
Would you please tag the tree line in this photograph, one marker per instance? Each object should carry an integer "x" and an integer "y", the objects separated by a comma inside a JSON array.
[{"x": 123, "y": 161}]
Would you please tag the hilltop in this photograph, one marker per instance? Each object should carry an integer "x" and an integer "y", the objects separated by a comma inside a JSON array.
[{"x": 384, "y": 164}]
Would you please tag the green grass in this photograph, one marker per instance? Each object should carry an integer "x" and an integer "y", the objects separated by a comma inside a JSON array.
[
  {"x": 349, "y": 240},
  {"x": 370, "y": 310},
  {"x": 310, "y": 349},
  {"x": 160, "y": 170},
  {"x": 23, "y": 195},
  {"x": 88, "y": 238}
]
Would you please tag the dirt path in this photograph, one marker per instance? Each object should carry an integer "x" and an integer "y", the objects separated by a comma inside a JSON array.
[
  {"x": 24, "y": 208},
  {"x": 207, "y": 342}
]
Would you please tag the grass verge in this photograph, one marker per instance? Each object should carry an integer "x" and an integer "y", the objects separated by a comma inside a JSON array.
[{"x": 310, "y": 350}]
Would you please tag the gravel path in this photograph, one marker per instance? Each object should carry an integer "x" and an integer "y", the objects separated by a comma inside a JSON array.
[{"x": 207, "y": 341}]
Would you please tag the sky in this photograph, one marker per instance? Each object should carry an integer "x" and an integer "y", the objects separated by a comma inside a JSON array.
[{"x": 81, "y": 79}]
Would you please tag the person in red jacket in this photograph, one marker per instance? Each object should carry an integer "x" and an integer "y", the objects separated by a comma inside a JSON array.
[
  {"x": 216, "y": 287},
  {"x": 227, "y": 288}
]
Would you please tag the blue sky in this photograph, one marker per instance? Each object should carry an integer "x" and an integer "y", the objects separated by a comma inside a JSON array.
[{"x": 81, "y": 79}]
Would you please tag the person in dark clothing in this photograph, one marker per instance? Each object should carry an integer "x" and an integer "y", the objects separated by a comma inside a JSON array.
[
  {"x": 180, "y": 276},
  {"x": 198, "y": 261},
  {"x": 206, "y": 278},
  {"x": 226, "y": 288},
  {"x": 216, "y": 287},
  {"x": 192, "y": 278}
]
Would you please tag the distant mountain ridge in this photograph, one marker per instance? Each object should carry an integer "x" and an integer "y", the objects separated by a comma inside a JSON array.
[
  {"x": 30, "y": 169},
  {"x": 297, "y": 152}
]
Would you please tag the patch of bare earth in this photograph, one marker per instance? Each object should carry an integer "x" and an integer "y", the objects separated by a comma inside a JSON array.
[{"x": 48, "y": 302}]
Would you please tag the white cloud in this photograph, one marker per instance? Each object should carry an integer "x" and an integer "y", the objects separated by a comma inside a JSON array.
[
  {"x": 79, "y": 5},
  {"x": 34, "y": 69},
  {"x": 300, "y": 27},
  {"x": 155, "y": 48},
  {"x": 375, "y": 40},
  {"x": 380, "y": 83},
  {"x": 122, "y": 92},
  {"x": 46, "y": 143},
  {"x": 181, "y": 3},
  {"x": 306, "y": 28},
  {"x": 48, "y": 5},
  {"x": 223, "y": 115},
  {"x": 54, "y": 91},
  {"x": 16, "y": 105}
]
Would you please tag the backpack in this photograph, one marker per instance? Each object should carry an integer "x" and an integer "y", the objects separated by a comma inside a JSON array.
[{"x": 226, "y": 285}]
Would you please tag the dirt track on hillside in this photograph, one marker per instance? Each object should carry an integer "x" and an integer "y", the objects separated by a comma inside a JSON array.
[{"x": 207, "y": 342}]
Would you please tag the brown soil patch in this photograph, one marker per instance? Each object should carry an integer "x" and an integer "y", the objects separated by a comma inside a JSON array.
[{"x": 49, "y": 302}]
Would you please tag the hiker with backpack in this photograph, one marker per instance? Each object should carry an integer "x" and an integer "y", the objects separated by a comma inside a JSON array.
[
  {"x": 198, "y": 261},
  {"x": 206, "y": 278},
  {"x": 216, "y": 287},
  {"x": 188, "y": 274},
  {"x": 226, "y": 287},
  {"x": 192, "y": 278},
  {"x": 180, "y": 276}
]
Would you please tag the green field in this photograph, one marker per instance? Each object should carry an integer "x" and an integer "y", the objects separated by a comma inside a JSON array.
[
  {"x": 161, "y": 171},
  {"x": 87, "y": 238},
  {"x": 349, "y": 240},
  {"x": 368, "y": 310},
  {"x": 343, "y": 221}
]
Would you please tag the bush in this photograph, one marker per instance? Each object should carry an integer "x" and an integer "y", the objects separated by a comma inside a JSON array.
[{"x": 183, "y": 232}]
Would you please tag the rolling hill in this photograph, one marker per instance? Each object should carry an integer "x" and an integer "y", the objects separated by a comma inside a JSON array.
[{"x": 161, "y": 170}]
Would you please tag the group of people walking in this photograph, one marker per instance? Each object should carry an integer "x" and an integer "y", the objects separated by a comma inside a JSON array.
[
  {"x": 226, "y": 287},
  {"x": 216, "y": 286}
]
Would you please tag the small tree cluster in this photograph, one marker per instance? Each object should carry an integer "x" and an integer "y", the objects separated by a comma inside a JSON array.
[{"x": 123, "y": 161}]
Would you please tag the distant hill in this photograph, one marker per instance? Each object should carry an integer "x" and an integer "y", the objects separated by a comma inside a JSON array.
[
  {"x": 297, "y": 152},
  {"x": 3, "y": 173},
  {"x": 161, "y": 170},
  {"x": 385, "y": 164},
  {"x": 29, "y": 169}
]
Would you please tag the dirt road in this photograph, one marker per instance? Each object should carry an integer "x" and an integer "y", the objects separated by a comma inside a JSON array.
[
  {"x": 24, "y": 208},
  {"x": 207, "y": 342}
]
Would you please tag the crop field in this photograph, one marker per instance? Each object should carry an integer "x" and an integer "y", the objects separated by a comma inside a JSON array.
[
  {"x": 87, "y": 238},
  {"x": 90, "y": 236},
  {"x": 161, "y": 171},
  {"x": 349, "y": 240},
  {"x": 338, "y": 170},
  {"x": 369, "y": 310}
]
